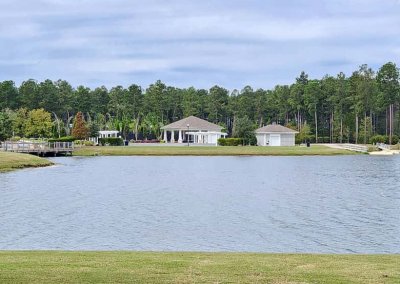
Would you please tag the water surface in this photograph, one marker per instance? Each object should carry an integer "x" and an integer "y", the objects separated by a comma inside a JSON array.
[{"x": 340, "y": 204}]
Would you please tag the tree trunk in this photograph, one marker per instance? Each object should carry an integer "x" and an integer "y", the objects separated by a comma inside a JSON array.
[
  {"x": 341, "y": 129},
  {"x": 332, "y": 126},
  {"x": 356, "y": 129},
  {"x": 386, "y": 122},
  {"x": 365, "y": 127},
  {"x": 390, "y": 124},
  {"x": 316, "y": 126}
]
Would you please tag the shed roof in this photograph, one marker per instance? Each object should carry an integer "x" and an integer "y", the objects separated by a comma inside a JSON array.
[
  {"x": 195, "y": 123},
  {"x": 275, "y": 128}
]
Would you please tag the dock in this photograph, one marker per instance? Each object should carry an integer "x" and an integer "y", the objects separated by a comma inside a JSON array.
[
  {"x": 349, "y": 147},
  {"x": 39, "y": 148}
]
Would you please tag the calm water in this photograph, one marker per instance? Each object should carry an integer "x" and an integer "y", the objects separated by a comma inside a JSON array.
[{"x": 262, "y": 204}]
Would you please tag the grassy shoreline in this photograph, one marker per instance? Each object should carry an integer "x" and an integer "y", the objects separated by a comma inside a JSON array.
[
  {"x": 188, "y": 267},
  {"x": 209, "y": 151},
  {"x": 13, "y": 161}
]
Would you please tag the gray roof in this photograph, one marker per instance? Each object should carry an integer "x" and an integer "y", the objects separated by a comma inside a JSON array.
[
  {"x": 195, "y": 123},
  {"x": 275, "y": 128}
]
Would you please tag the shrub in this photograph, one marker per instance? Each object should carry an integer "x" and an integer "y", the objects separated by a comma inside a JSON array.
[
  {"x": 230, "y": 141},
  {"x": 88, "y": 143},
  {"x": 395, "y": 139},
  {"x": 112, "y": 141},
  {"x": 384, "y": 139},
  {"x": 379, "y": 139},
  {"x": 15, "y": 138},
  {"x": 250, "y": 140},
  {"x": 63, "y": 139}
]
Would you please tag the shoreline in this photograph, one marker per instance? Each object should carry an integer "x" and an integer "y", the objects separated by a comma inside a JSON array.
[
  {"x": 195, "y": 267},
  {"x": 315, "y": 150},
  {"x": 10, "y": 161}
]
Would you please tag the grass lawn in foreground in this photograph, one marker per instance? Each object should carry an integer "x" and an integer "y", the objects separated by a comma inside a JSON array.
[
  {"x": 208, "y": 151},
  {"x": 153, "y": 267},
  {"x": 11, "y": 161}
]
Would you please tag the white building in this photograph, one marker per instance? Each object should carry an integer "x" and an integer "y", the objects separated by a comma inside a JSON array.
[
  {"x": 105, "y": 134},
  {"x": 275, "y": 135},
  {"x": 109, "y": 134},
  {"x": 194, "y": 130}
]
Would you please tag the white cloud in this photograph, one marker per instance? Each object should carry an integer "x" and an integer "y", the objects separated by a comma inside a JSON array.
[{"x": 199, "y": 43}]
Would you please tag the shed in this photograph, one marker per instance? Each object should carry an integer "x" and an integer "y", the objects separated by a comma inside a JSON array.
[{"x": 275, "y": 135}]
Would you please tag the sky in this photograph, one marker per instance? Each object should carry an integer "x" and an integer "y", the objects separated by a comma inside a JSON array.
[{"x": 261, "y": 43}]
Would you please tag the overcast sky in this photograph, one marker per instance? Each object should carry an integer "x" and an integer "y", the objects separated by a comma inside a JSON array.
[{"x": 184, "y": 43}]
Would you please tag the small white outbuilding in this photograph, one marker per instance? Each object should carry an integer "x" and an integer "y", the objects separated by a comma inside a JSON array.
[{"x": 275, "y": 135}]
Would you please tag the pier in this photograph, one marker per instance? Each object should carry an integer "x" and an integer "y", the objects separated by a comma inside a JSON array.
[{"x": 39, "y": 148}]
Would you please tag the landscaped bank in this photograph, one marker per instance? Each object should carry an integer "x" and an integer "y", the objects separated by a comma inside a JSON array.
[
  {"x": 11, "y": 161},
  {"x": 209, "y": 151},
  {"x": 153, "y": 267}
]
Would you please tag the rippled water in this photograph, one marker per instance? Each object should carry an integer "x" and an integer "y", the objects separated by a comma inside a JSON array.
[{"x": 343, "y": 204}]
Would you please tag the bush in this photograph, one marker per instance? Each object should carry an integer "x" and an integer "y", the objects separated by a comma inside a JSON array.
[
  {"x": 395, "y": 139},
  {"x": 384, "y": 139},
  {"x": 250, "y": 140},
  {"x": 230, "y": 141},
  {"x": 378, "y": 139},
  {"x": 63, "y": 139},
  {"x": 112, "y": 141},
  {"x": 15, "y": 139},
  {"x": 88, "y": 143}
]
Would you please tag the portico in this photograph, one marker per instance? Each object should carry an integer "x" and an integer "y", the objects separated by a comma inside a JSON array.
[{"x": 193, "y": 130}]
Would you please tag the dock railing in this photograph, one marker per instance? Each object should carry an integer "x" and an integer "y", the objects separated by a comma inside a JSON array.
[
  {"x": 355, "y": 147},
  {"x": 38, "y": 147}
]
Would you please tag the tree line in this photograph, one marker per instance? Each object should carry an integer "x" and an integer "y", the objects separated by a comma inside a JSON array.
[{"x": 332, "y": 109}]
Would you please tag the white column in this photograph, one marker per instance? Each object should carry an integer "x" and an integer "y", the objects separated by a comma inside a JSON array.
[
  {"x": 180, "y": 136},
  {"x": 172, "y": 136},
  {"x": 165, "y": 136}
]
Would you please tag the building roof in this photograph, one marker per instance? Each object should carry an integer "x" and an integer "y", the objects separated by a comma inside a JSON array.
[
  {"x": 108, "y": 131},
  {"x": 275, "y": 128},
  {"x": 194, "y": 123}
]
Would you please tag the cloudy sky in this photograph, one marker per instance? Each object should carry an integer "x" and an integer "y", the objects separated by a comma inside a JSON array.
[{"x": 194, "y": 43}]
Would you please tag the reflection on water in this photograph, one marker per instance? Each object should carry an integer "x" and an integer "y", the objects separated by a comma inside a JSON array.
[{"x": 348, "y": 204}]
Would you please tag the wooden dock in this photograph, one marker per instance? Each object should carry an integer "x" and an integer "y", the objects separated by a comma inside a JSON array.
[{"x": 39, "y": 148}]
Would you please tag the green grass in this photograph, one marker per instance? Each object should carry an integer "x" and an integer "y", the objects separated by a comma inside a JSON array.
[
  {"x": 11, "y": 161},
  {"x": 157, "y": 267},
  {"x": 208, "y": 151}
]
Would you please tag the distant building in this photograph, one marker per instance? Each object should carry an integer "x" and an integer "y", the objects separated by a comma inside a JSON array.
[
  {"x": 275, "y": 135},
  {"x": 105, "y": 134},
  {"x": 194, "y": 130},
  {"x": 109, "y": 134}
]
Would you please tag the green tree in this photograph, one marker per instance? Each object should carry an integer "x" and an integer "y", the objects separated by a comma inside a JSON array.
[
  {"x": 5, "y": 126},
  {"x": 9, "y": 96},
  {"x": 217, "y": 104},
  {"x": 244, "y": 128},
  {"x": 312, "y": 93},
  {"x": 388, "y": 81},
  {"x": 296, "y": 99},
  {"x": 154, "y": 99},
  {"x": 19, "y": 119},
  {"x": 29, "y": 94},
  {"x": 38, "y": 124}
]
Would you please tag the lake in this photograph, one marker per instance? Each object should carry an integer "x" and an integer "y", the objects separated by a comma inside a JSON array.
[{"x": 338, "y": 204}]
